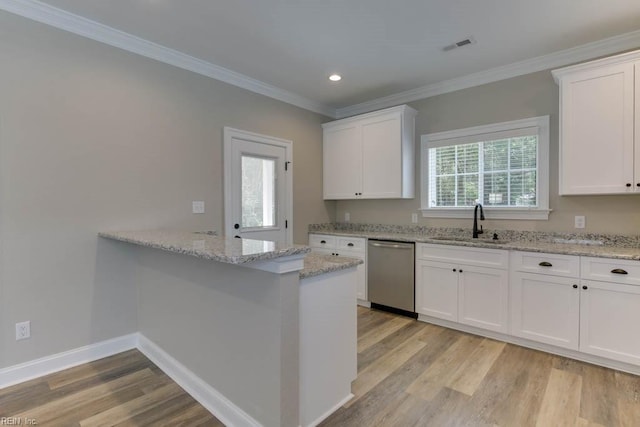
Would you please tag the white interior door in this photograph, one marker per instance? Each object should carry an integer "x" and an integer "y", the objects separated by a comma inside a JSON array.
[{"x": 258, "y": 187}]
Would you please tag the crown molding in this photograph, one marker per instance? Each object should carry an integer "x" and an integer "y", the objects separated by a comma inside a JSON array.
[
  {"x": 61, "y": 19},
  {"x": 558, "y": 59}
]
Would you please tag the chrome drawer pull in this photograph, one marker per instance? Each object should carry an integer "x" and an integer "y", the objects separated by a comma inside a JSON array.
[
  {"x": 618, "y": 271},
  {"x": 545, "y": 264}
]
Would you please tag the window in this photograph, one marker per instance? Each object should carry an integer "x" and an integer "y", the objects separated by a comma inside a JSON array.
[{"x": 504, "y": 166}]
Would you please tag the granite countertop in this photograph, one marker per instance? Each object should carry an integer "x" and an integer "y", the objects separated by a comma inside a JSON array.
[
  {"x": 208, "y": 246},
  {"x": 316, "y": 264},
  {"x": 603, "y": 246}
]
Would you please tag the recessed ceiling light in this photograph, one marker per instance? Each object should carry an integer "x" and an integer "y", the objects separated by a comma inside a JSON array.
[{"x": 335, "y": 77}]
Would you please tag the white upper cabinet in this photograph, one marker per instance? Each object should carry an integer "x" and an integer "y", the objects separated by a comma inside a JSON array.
[
  {"x": 370, "y": 156},
  {"x": 600, "y": 126}
]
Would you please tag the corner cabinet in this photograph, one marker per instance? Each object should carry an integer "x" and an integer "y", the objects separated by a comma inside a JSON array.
[
  {"x": 600, "y": 126},
  {"x": 353, "y": 247},
  {"x": 370, "y": 156}
]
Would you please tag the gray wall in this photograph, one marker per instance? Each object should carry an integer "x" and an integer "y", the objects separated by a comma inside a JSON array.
[
  {"x": 517, "y": 98},
  {"x": 234, "y": 327},
  {"x": 94, "y": 138}
]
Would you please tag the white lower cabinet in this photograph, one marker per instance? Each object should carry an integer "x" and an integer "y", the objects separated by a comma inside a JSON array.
[
  {"x": 353, "y": 247},
  {"x": 545, "y": 309},
  {"x": 610, "y": 309},
  {"x": 561, "y": 305},
  {"x": 609, "y": 315},
  {"x": 463, "y": 291},
  {"x": 545, "y": 298}
]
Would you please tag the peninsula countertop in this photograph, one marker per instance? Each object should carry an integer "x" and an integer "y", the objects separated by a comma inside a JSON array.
[
  {"x": 207, "y": 246},
  {"x": 231, "y": 250}
]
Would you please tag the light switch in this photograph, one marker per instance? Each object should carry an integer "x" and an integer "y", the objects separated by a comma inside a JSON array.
[
  {"x": 579, "y": 221},
  {"x": 198, "y": 207},
  {"x": 347, "y": 217},
  {"x": 414, "y": 218}
]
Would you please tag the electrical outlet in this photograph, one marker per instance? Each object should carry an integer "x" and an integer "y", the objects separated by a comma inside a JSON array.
[
  {"x": 579, "y": 221},
  {"x": 347, "y": 217},
  {"x": 414, "y": 218},
  {"x": 23, "y": 330},
  {"x": 198, "y": 207}
]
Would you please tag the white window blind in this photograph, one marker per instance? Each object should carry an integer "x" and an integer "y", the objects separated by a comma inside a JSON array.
[{"x": 498, "y": 165}]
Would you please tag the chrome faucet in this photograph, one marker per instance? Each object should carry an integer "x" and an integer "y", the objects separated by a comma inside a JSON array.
[{"x": 476, "y": 232}]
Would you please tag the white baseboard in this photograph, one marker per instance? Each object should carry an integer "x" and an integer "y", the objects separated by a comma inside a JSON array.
[
  {"x": 47, "y": 365},
  {"x": 523, "y": 342},
  {"x": 207, "y": 396},
  {"x": 331, "y": 411}
]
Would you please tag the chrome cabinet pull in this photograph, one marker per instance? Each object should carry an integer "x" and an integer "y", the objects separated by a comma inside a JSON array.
[{"x": 619, "y": 271}]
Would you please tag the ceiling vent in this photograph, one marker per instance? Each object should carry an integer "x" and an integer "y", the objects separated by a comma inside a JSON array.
[{"x": 466, "y": 42}]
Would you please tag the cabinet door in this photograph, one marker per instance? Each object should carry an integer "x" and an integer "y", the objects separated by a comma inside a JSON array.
[
  {"x": 609, "y": 318},
  {"x": 361, "y": 273},
  {"x": 342, "y": 162},
  {"x": 437, "y": 290},
  {"x": 596, "y": 128},
  {"x": 545, "y": 309},
  {"x": 382, "y": 157},
  {"x": 482, "y": 298}
]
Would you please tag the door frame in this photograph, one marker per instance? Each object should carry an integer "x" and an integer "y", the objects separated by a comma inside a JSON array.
[{"x": 229, "y": 134}]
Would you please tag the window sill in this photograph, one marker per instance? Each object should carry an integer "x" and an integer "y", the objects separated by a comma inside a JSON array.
[{"x": 489, "y": 213}]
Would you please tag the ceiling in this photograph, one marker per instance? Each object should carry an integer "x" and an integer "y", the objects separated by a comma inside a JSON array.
[{"x": 380, "y": 47}]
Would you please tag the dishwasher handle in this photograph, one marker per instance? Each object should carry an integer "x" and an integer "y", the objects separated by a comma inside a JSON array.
[{"x": 390, "y": 245}]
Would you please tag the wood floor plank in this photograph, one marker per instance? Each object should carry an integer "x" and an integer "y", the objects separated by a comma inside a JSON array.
[
  {"x": 126, "y": 411},
  {"x": 131, "y": 359},
  {"x": 596, "y": 406},
  {"x": 561, "y": 402},
  {"x": 440, "y": 373},
  {"x": 194, "y": 415},
  {"x": 387, "y": 328},
  {"x": 382, "y": 368},
  {"x": 360, "y": 412},
  {"x": 449, "y": 407},
  {"x": 94, "y": 398},
  {"x": 513, "y": 389},
  {"x": 155, "y": 414},
  {"x": 387, "y": 344},
  {"x": 628, "y": 396},
  {"x": 403, "y": 410},
  {"x": 471, "y": 372}
]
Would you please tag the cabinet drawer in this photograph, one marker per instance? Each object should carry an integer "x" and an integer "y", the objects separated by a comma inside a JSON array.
[
  {"x": 495, "y": 258},
  {"x": 322, "y": 241},
  {"x": 556, "y": 265},
  {"x": 611, "y": 270},
  {"x": 352, "y": 244}
]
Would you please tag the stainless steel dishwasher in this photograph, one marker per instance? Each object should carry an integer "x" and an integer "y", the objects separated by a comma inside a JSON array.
[{"x": 390, "y": 276}]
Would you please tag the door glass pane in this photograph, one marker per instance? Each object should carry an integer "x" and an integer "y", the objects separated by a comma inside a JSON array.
[{"x": 258, "y": 192}]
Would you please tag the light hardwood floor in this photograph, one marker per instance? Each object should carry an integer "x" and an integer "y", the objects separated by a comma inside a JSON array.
[
  {"x": 416, "y": 374},
  {"x": 409, "y": 374},
  {"x": 121, "y": 390}
]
